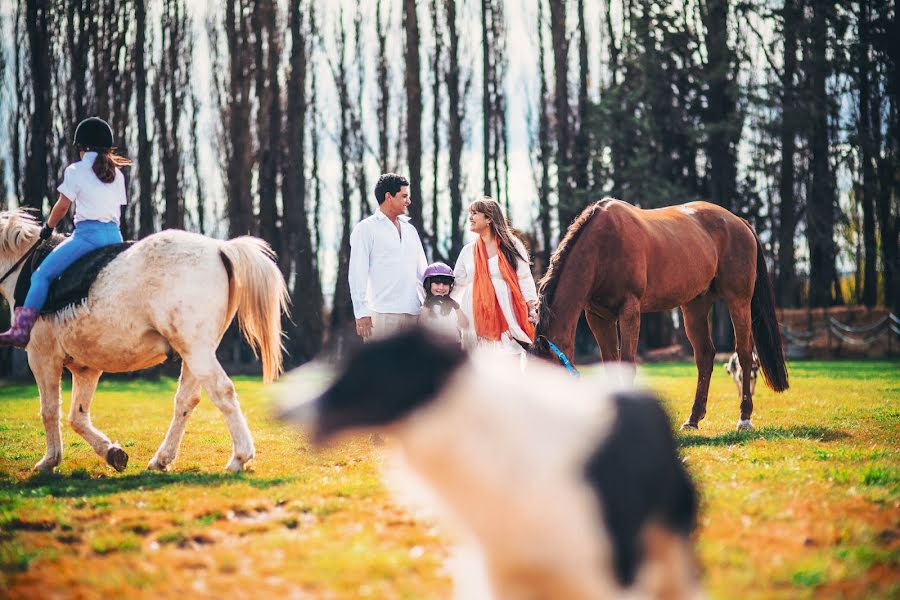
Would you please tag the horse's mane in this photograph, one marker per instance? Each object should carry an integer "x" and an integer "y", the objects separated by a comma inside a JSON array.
[
  {"x": 17, "y": 227},
  {"x": 547, "y": 284}
]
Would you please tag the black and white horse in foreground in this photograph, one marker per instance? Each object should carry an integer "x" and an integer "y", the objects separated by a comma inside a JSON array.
[{"x": 571, "y": 490}]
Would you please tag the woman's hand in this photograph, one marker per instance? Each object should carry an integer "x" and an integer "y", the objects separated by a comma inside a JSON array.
[{"x": 532, "y": 311}]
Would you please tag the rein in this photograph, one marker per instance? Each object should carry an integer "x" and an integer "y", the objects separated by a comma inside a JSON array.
[
  {"x": 21, "y": 260},
  {"x": 563, "y": 358}
]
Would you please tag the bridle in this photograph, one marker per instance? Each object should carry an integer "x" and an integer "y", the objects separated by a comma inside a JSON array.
[
  {"x": 561, "y": 356},
  {"x": 19, "y": 262}
]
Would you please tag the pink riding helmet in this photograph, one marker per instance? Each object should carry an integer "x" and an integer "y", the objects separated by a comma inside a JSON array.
[{"x": 437, "y": 269}]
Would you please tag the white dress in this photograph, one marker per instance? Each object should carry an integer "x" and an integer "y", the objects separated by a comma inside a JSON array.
[{"x": 464, "y": 274}]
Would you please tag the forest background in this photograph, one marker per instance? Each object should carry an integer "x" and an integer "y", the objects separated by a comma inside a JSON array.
[{"x": 275, "y": 117}]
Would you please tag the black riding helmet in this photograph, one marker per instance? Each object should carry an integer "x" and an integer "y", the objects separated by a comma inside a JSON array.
[{"x": 94, "y": 132}]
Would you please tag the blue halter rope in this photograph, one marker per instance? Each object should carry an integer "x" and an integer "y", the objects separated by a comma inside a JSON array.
[{"x": 563, "y": 359}]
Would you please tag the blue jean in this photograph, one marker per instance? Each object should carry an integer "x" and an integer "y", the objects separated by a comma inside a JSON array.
[{"x": 88, "y": 236}]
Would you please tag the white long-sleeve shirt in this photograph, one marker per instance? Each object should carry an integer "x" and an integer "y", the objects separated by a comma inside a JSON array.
[{"x": 386, "y": 267}]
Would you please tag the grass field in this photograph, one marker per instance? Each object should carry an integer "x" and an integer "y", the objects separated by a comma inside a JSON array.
[{"x": 807, "y": 505}]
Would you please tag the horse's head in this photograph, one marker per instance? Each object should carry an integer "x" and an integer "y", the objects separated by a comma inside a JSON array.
[
  {"x": 18, "y": 232},
  {"x": 550, "y": 342}
]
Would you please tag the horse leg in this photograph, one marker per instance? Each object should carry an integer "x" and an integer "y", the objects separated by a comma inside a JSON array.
[
  {"x": 47, "y": 374},
  {"x": 84, "y": 384},
  {"x": 696, "y": 325},
  {"x": 605, "y": 333},
  {"x": 220, "y": 388},
  {"x": 740, "y": 319},
  {"x": 186, "y": 399},
  {"x": 630, "y": 329}
]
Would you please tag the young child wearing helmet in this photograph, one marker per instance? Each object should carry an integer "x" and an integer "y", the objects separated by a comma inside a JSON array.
[{"x": 439, "y": 310}]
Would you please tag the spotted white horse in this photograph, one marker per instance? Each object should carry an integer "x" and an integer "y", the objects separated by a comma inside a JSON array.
[{"x": 172, "y": 291}]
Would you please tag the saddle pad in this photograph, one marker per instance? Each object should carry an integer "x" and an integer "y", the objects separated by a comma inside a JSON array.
[{"x": 73, "y": 285}]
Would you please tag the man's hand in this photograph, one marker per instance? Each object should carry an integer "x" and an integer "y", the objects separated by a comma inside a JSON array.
[
  {"x": 46, "y": 232},
  {"x": 364, "y": 327}
]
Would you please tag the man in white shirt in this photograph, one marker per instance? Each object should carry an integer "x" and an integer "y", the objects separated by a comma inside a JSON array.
[{"x": 386, "y": 264}]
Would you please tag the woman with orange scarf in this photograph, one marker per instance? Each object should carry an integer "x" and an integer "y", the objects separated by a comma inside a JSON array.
[{"x": 494, "y": 285}]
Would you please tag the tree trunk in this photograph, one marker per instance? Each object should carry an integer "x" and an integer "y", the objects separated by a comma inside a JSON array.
[
  {"x": 39, "y": 51},
  {"x": 722, "y": 123},
  {"x": 456, "y": 100},
  {"x": 437, "y": 78},
  {"x": 485, "y": 98},
  {"x": 581, "y": 149},
  {"x": 788, "y": 292},
  {"x": 145, "y": 153},
  {"x": 867, "y": 156},
  {"x": 559, "y": 35},
  {"x": 544, "y": 150},
  {"x": 236, "y": 110},
  {"x": 342, "y": 316},
  {"x": 384, "y": 81},
  {"x": 413, "y": 112},
  {"x": 305, "y": 338},
  {"x": 268, "y": 94},
  {"x": 821, "y": 201}
]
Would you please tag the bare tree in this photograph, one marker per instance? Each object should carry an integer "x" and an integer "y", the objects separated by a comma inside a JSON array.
[
  {"x": 36, "y": 170},
  {"x": 267, "y": 50},
  {"x": 199, "y": 184},
  {"x": 413, "y": 111},
  {"x": 544, "y": 145},
  {"x": 360, "y": 141},
  {"x": 560, "y": 41},
  {"x": 437, "y": 76},
  {"x": 144, "y": 163},
  {"x": 170, "y": 94},
  {"x": 458, "y": 84},
  {"x": 384, "y": 83},
  {"x": 821, "y": 202},
  {"x": 232, "y": 85},
  {"x": 788, "y": 293},
  {"x": 486, "y": 95},
  {"x": 342, "y": 306},
  {"x": 865, "y": 127},
  {"x": 305, "y": 339}
]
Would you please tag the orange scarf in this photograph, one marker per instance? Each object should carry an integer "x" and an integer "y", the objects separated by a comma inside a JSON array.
[{"x": 489, "y": 320}]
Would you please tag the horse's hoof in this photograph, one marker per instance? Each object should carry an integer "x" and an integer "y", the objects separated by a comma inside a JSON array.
[
  {"x": 117, "y": 458},
  {"x": 744, "y": 425},
  {"x": 234, "y": 466},
  {"x": 46, "y": 465},
  {"x": 688, "y": 426},
  {"x": 155, "y": 465}
]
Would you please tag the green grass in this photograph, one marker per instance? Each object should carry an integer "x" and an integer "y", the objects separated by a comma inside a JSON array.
[{"x": 806, "y": 505}]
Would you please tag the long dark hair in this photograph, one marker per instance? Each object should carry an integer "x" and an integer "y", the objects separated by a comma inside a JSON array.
[
  {"x": 106, "y": 163},
  {"x": 501, "y": 229}
]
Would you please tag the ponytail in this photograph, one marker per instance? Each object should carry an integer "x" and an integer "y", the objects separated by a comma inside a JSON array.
[{"x": 106, "y": 163}]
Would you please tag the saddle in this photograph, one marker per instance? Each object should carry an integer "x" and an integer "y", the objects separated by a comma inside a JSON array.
[{"x": 72, "y": 286}]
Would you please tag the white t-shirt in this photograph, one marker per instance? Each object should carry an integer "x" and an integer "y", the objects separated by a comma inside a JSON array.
[{"x": 94, "y": 200}]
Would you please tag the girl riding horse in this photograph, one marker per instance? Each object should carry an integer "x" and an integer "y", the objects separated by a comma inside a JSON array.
[{"x": 96, "y": 187}]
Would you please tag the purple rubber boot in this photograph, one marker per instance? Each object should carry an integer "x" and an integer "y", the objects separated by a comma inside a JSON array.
[{"x": 20, "y": 332}]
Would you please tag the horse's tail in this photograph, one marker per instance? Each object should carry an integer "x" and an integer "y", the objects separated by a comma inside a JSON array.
[
  {"x": 766, "y": 333},
  {"x": 259, "y": 294}
]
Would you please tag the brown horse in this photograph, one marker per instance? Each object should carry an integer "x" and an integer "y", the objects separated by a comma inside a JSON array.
[{"x": 617, "y": 261}]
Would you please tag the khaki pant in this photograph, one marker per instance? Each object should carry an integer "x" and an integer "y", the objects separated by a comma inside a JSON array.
[{"x": 387, "y": 324}]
